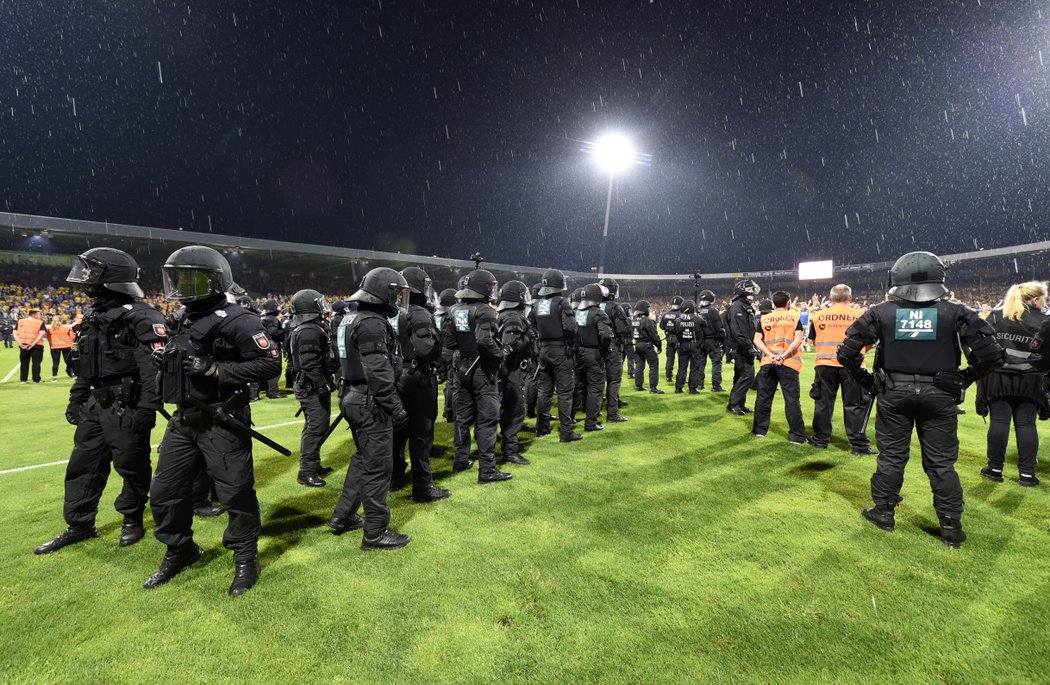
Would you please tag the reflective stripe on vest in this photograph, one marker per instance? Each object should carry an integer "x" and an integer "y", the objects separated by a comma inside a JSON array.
[
  {"x": 778, "y": 332},
  {"x": 28, "y": 330},
  {"x": 61, "y": 337},
  {"x": 830, "y": 326}
]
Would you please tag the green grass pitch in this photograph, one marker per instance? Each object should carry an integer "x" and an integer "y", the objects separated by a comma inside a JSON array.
[{"x": 674, "y": 548}]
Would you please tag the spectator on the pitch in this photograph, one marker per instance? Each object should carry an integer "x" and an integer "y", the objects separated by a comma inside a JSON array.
[
  {"x": 60, "y": 336},
  {"x": 31, "y": 333}
]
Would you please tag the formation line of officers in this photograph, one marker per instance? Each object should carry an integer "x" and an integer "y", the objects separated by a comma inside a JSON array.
[{"x": 503, "y": 352}]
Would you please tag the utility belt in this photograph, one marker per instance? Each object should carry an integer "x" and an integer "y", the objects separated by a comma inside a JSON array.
[
  {"x": 552, "y": 342},
  {"x": 121, "y": 392},
  {"x": 346, "y": 387},
  {"x": 413, "y": 365},
  {"x": 911, "y": 378}
]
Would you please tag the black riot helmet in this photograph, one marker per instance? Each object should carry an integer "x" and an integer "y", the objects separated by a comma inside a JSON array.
[
  {"x": 552, "y": 283},
  {"x": 688, "y": 307},
  {"x": 591, "y": 296},
  {"x": 385, "y": 287},
  {"x": 610, "y": 288},
  {"x": 707, "y": 298},
  {"x": 270, "y": 307},
  {"x": 339, "y": 307},
  {"x": 197, "y": 272},
  {"x": 479, "y": 284},
  {"x": 309, "y": 305},
  {"x": 535, "y": 288},
  {"x": 676, "y": 302},
  {"x": 419, "y": 283},
  {"x": 576, "y": 298},
  {"x": 513, "y": 295},
  {"x": 106, "y": 267},
  {"x": 247, "y": 302},
  {"x": 642, "y": 308},
  {"x": 746, "y": 288},
  {"x": 918, "y": 277},
  {"x": 446, "y": 299}
]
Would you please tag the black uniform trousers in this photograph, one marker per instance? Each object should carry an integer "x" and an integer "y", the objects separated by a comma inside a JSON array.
[
  {"x": 228, "y": 458},
  {"x": 769, "y": 377},
  {"x": 203, "y": 488},
  {"x": 645, "y": 354},
  {"x": 932, "y": 413},
  {"x": 555, "y": 374},
  {"x": 530, "y": 387},
  {"x": 710, "y": 350},
  {"x": 57, "y": 357},
  {"x": 1023, "y": 411},
  {"x": 590, "y": 382},
  {"x": 368, "y": 477},
  {"x": 104, "y": 436},
  {"x": 688, "y": 364},
  {"x": 317, "y": 412},
  {"x": 829, "y": 380},
  {"x": 477, "y": 405},
  {"x": 450, "y": 395},
  {"x": 511, "y": 408},
  {"x": 34, "y": 356},
  {"x": 743, "y": 375},
  {"x": 671, "y": 352},
  {"x": 418, "y": 392},
  {"x": 613, "y": 376},
  {"x": 627, "y": 352}
]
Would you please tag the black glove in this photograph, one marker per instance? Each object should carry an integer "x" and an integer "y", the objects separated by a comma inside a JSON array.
[
  {"x": 143, "y": 420},
  {"x": 157, "y": 357},
  {"x": 400, "y": 418},
  {"x": 953, "y": 382},
  {"x": 199, "y": 366},
  {"x": 73, "y": 413},
  {"x": 866, "y": 380},
  {"x": 980, "y": 406}
]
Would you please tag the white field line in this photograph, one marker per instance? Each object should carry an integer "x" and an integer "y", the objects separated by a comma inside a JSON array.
[
  {"x": 64, "y": 461},
  {"x": 11, "y": 372}
]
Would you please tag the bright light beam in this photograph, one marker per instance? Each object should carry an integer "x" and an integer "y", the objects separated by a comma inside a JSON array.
[{"x": 614, "y": 153}]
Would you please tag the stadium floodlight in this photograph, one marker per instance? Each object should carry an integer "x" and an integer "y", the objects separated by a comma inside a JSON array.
[{"x": 614, "y": 154}]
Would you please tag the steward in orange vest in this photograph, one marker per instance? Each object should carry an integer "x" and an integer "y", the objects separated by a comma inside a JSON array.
[
  {"x": 61, "y": 337},
  {"x": 30, "y": 334},
  {"x": 828, "y": 332},
  {"x": 779, "y": 338}
]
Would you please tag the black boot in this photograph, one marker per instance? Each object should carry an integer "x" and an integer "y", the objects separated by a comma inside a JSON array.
[
  {"x": 619, "y": 418},
  {"x": 458, "y": 466},
  {"x": 342, "y": 525},
  {"x": 516, "y": 459},
  {"x": 131, "y": 531},
  {"x": 69, "y": 536},
  {"x": 951, "y": 532},
  {"x": 995, "y": 475},
  {"x": 173, "y": 563},
  {"x": 245, "y": 574},
  {"x": 209, "y": 510},
  {"x": 324, "y": 470},
  {"x": 570, "y": 437},
  {"x": 494, "y": 477},
  {"x": 880, "y": 517},
  {"x": 388, "y": 539},
  {"x": 311, "y": 480},
  {"x": 432, "y": 493}
]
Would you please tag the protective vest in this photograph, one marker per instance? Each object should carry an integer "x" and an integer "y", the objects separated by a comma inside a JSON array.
[
  {"x": 707, "y": 329},
  {"x": 778, "y": 332},
  {"x": 27, "y": 331},
  {"x": 515, "y": 335},
  {"x": 61, "y": 336},
  {"x": 918, "y": 338},
  {"x": 829, "y": 326},
  {"x": 105, "y": 349},
  {"x": 668, "y": 321},
  {"x": 1016, "y": 338},
  {"x": 294, "y": 339},
  {"x": 636, "y": 329},
  {"x": 687, "y": 328},
  {"x": 202, "y": 337},
  {"x": 351, "y": 346},
  {"x": 404, "y": 324},
  {"x": 464, "y": 328},
  {"x": 548, "y": 318},
  {"x": 587, "y": 320}
]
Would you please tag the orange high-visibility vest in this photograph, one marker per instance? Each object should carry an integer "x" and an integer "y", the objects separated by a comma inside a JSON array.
[
  {"x": 830, "y": 330},
  {"x": 28, "y": 330},
  {"x": 778, "y": 332},
  {"x": 61, "y": 336}
]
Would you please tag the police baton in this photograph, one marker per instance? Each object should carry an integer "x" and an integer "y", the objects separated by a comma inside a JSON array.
[
  {"x": 867, "y": 410},
  {"x": 331, "y": 429},
  {"x": 222, "y": 417}
]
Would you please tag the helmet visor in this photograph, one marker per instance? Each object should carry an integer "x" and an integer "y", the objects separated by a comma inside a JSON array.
[
  {"x": 86, "y": 271},
  {"x": 398, "y": 298},
  {"x": 323, "y": 306},
  {"x": 190, "y": 283}
]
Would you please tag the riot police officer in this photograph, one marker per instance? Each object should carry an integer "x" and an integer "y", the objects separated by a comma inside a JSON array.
[
  {"x": 312, "y": 382},
  {"x": 667, "y": 325},
  {"x": 274, "y": 329},
  {"x": 114, "y": 399},
  {"x": 712, "y": 340},
  {"x": 446, "y": 299},
  {"x": 689, "y": 332},
  {"x": 532, "y": 371},
  {"x": 646, "y": 348},
  {"x": 741, "y": 326},
  {"x": 518, "y": 341},
  {"x": 595, "y": 338},
  {"x": 214, "y": 350},
  {"x": 472, "y": 330},
  {"x": 621, "y": 327},
  {"x": 919, "y": 383},
  {"x": 369, "y": 400},
  {"x": 552, "y": 318},
  {"x": 420, "y": 345}
]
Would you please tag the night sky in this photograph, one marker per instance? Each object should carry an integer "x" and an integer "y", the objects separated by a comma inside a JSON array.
[{"x": 778, "y": 130}]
